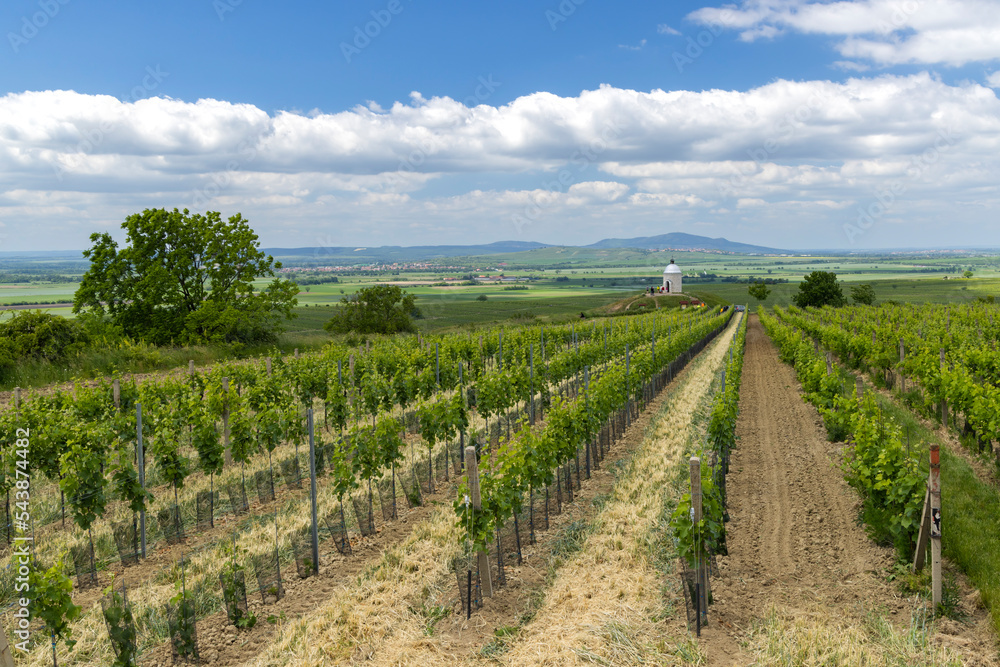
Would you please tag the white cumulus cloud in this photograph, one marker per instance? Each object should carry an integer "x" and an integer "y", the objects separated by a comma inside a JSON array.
[
  {"x": 885, "y": 32},
  {"x": 543, "y": 166}
]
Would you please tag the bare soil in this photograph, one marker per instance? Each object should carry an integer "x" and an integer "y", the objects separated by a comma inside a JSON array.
[{"x": 794, "y": 540}]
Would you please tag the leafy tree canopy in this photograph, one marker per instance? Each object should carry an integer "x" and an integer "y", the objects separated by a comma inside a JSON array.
[
  {"x": 820, "y": 288},
  {"x": 863, "y": 294},
  {"x": 185, "y": 278},
  {"x": 380, "y": 309},
  {"x": 759, "y": 290}
]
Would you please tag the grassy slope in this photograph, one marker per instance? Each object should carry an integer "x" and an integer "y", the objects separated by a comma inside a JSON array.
[{"x": 970, "y": 532}]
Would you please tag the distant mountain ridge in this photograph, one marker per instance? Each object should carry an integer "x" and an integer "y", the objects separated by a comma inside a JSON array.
[
  {"x": 390, "y": 254},
  {"x": 682, "y": 241}
]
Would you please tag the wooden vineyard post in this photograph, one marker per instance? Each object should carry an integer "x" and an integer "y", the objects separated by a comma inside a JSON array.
[
  {"x": 935, "y": 496},
  {"x": 190, "y": 366},
  {"x": 860, "y": 387},
  {"x": 117, "y": 390},
  {"x": 465, "y": 402},
  {"x": 628, "y": 396},
  {"x": 925, "y": 530},
  {"x": 6, "y": 659},
  {"x": 312, "y": 492},
  {"x": 829, "y": 363},
  {"x": 944, "y": 401},
  {"x": 296, "y": 353},
  {"x": 701, "y": 608},
  {"x": 472, "y": 470},
  {"x": 902, "y": 357},
  {"x": 531, "y": 382},
  {"x": 267, "y": 365},
  {"x": 225, "y": 423},
  {"x": 140, "y": 464}
]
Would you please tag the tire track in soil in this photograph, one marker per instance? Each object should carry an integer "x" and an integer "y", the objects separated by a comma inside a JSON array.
[{"x": 793, "y": 540}]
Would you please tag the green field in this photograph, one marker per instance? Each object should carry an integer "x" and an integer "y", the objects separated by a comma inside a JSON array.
[
  {"x": 37, "y": 293},
  {"x": 568, "y": 281},
  {"x": 914, "y": 290},
  {"x": 561, "y": 284},
  {"x": 448, "y": 307}
]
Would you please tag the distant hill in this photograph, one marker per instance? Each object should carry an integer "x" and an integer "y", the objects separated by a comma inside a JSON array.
[
  {"x": 389, "y": 254},
  {"x": 683, "y": 241}
]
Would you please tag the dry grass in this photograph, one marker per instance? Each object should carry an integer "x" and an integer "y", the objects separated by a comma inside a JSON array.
[
  {"x": 386, "y": 605},
  {"x": 817, "y": 639}
]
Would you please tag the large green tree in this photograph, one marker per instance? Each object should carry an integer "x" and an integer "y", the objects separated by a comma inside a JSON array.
[
  {"x": 186, "y": 278},
  {"x": 820, "y": 288},
  {"x": 759, "y": 290},
  {"x": 384, "y": 309}
]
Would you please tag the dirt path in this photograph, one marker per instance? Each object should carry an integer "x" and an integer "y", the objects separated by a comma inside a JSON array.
[
  {"x": 794, "y": 543},
  {"x": 793, "y": 539}
]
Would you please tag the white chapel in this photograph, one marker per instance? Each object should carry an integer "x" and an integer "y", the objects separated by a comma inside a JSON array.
[{"x": 672, "y": 279}]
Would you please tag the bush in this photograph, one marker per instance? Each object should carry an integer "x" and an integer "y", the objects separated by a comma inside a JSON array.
[{"x": 34, "y": 335}]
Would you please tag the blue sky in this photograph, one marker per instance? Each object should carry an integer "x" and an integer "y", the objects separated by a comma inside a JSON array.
[{"x": 785, "y": 122}]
